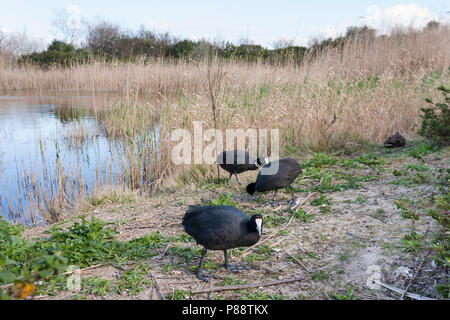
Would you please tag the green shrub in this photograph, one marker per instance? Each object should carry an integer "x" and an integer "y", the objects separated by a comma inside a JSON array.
[
  {"x": 436, "y": 119},
  {"x": 58, "y": 53}
]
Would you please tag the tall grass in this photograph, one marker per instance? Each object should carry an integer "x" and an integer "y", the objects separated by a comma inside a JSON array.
[{"x": 337, "y": 98}]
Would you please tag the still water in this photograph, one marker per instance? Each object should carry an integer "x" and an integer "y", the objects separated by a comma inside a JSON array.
[{"x": 42, "y": 149}]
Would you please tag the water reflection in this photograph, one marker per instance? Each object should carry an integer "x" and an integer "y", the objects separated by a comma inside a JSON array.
[{"x": 49, "y": 144}]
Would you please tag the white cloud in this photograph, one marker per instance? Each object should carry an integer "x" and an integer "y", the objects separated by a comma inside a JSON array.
[{"x": 411, "y": 15}]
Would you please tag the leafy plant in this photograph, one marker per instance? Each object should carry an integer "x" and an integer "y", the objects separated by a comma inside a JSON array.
[
  {"x": 370, "y": 160},
  {"x": 443, "y": 290},
  {"x": 436, "y": 119},
  {"x": 262, "y": 252},
  {"x": 407, "y": 212},
  {"x": 422, "y": 149},
  {"x": 361, "y": 199},
  {"x": 441, "y": 244},
  {"x": 178, "y": 294},
  {"x": 301, "y": 215},
  {"x": 24, "y": 263},
  {"x": 321, "y": 200},
  {"x": 95, "y": 286},
  {"x": 348, "y": 295},
  {"x": 223, "y": 200},
  {"x": 319, "y": 276},
  {"x": 319, "y": 160},
  {"x": 412, "y": 242},
  {"x": 441, "y": 212},
  {"x": 132, "y": 281}
]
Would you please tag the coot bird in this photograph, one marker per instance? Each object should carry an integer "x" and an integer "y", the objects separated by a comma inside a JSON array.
[
  {"x": 221, "y": 228},
  {"x": 238, "y": 161},
  {"x": 395, "y": 141},
  {"x": 271, "y": 179}
]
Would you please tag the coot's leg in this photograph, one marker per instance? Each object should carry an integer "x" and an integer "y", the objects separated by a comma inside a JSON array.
[
  {"x": 237, "y": 179},
  {"x": 229, "y": 179},
  {"x": 272, "y": 202},
  {"x": 226, "y": 258},
  {"x": 199, "y": 269},
  {"x": 292, "y": 195}
]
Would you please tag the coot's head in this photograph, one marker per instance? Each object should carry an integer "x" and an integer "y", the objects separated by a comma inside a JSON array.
[
  {"x": 250, "y": 188},
  {"x": 256, "y": 222},
  {"x": 261, "y": 161}
]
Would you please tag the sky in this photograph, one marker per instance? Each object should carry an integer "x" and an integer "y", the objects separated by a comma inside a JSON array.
[{"x": 261, "y": 21}]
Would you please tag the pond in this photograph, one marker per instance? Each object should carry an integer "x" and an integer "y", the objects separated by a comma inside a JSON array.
[{"x": 51, "y": 152}]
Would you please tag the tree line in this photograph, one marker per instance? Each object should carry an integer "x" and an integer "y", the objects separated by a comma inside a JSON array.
[{"x": 107, "y": 41}]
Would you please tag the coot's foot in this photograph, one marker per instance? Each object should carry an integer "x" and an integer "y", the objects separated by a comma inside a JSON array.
[
  {"x": 206, "y": 276},
  {"x": 235, "y": 268},
  {"x": 272, "y": 203}
]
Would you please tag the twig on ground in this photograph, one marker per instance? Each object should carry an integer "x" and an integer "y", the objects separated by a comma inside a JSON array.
[
  {"x": 251, "y": 285},
  {"x": 304, "y": 200},
  {"x": 85, "y": 269},
  {"x": 298, "y": 261},
  {"x": 415, "y": 275},
  {"x": 165, "y": 250},
  {"x": 268, "y": 270},
  {"x": 400, "y": 291},
  {"x": 156, "y": 285},
  {"x": 277, "y": 243}
]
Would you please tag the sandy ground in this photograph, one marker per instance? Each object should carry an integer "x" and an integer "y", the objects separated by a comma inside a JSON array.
[{"x": 341, "y": 248}]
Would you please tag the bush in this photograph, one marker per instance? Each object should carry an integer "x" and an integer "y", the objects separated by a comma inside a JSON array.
[
  {"x": 436, "y": 119},
  {"x": 183, "y": 49},
  {"x": 58, "y": 53}
]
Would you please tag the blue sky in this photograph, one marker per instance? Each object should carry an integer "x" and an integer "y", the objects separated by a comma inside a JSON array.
[{"x": 261, "y": 21}]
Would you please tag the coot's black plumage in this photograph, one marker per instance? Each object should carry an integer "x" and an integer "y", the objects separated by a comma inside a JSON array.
[
  {"x": 238, "y": 161},
  {"x": 221, "y": 228},
  {"x": 395, "y": 141},
  {"x": 269, "y": 179}
]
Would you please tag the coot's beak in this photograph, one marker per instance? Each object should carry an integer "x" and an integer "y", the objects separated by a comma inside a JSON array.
[{"x": 258, "y": 225}]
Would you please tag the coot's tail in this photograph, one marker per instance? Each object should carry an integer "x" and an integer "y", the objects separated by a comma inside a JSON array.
[{"x": 251, "y": 188}]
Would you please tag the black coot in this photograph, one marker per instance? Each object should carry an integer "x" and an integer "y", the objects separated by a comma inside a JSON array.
[
  {"x": 221, "y": 228},
  {"x": 270, "y": 179},
  {"x": 395, "y": 141},
  {"x": 238, "y": 161}
]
